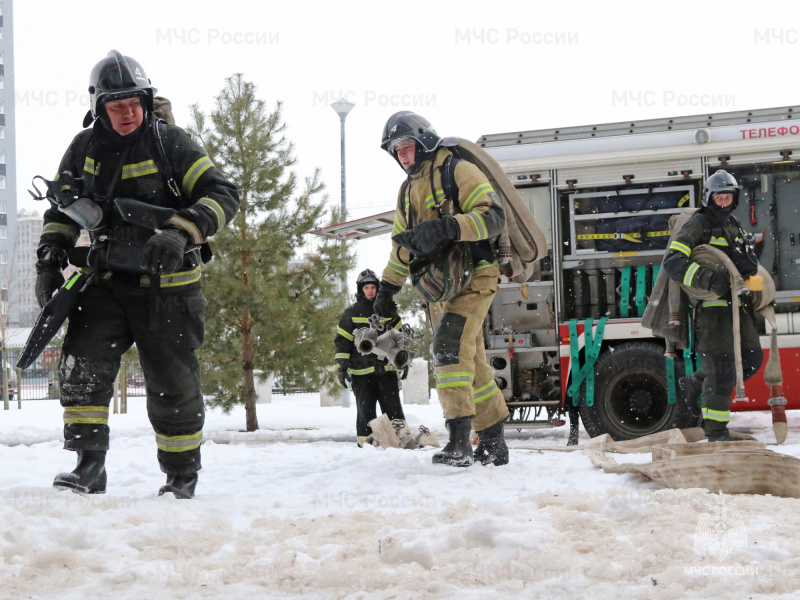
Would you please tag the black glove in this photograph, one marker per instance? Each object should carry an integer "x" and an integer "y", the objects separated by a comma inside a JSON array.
[
  {"x": 404, "y": 374},
  {"x": 429, "y": 237},
  {"x": 50, "y": 258},
  {"x": 163, "y": 253},
  {"x": 383, "y": 305},
  {"x": 48, "y": 280},
  {"x": 343, "y": 376},
  {"x": 746, "y": 262},
  {"x": 720, "y": 284}
]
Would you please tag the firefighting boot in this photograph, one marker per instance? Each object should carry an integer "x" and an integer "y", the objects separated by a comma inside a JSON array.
[
  {"x": 89, "y": 477},
  {"x": 722, "y": 436},
  {"x": 182, "y": 486},
  {"x": 492, "y": 449},
  {"x": 458, "y": 451}
]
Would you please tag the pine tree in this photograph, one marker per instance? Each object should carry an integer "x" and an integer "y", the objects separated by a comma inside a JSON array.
[{"x": 268, "y": 308}]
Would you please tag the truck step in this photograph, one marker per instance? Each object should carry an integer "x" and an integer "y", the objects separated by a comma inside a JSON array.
[{"x": 529, "y": 425}]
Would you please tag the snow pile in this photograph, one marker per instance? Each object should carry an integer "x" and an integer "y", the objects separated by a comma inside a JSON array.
[{"x": 297, "y": 510}]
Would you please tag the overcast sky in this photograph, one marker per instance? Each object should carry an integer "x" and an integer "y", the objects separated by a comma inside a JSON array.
[{"x": 471, "y": 68}]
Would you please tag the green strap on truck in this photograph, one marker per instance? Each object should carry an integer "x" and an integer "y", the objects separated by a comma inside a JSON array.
[
  {"x": 641, "y": 289},
  {"x": 625, "y": 292},
  {"x": 656, "y": 269},
  {"x": 671, "y": 398},
  {"x": 687, "y": 353},
  {"x": 587, "y": 334},
  {"x": 687, "y": 361},
  {"x": 591, "y": 351}
]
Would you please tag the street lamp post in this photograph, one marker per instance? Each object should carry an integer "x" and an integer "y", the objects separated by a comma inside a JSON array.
[{"x": 343, "y": 108}]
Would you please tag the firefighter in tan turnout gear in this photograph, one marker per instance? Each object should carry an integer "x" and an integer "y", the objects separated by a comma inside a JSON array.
[{"x": 464, "y": 381}]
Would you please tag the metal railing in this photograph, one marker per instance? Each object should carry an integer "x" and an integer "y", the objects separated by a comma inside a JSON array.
[
  {"x": 40, "y": 380},
  {"x": 291, "y": 390}
]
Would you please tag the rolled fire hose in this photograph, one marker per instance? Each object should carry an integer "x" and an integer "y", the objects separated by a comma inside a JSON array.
[{"x": 716, "y": 260}]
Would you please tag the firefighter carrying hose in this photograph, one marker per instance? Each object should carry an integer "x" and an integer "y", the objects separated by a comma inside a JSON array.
[
  {"x": 372, "y": 379},
  {"x": 714, "y": 224},
  {"x": 464, "y": 380}
]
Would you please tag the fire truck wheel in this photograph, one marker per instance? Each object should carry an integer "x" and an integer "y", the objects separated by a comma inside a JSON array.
[{"x": 630, "y": 393}]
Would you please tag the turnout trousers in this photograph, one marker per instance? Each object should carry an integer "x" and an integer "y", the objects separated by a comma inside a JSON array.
[
  {"x": 380, "y": 388},
  {"x": 464, "y": 380},
  {"x": 718, "y": 365},
  {"x": 167, "y": 326}
]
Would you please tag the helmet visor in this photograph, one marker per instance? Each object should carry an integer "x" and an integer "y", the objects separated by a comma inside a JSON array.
[
  {"x": 403, "y": 142},
  {"x": 122, "y": 95}
]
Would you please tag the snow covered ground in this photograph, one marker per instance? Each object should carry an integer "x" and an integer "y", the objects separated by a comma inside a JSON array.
[{"x": 296, "y": 510}]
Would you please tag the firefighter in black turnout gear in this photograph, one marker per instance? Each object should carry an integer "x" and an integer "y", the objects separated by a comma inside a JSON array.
[
  {"x": 146, "y": 286},
  {"x": 372, "y": 379},
  {"x": 714, "y": 224}
]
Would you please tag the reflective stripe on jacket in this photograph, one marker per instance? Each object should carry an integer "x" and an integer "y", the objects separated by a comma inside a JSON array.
[
  {"x": 481, "y": 216},
  {"x": 698, "y": 230},
  {"x": 209, "y": 201}
]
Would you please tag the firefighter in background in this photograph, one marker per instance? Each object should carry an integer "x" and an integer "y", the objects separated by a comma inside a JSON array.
[
  {"x": 147, "y": 290},
  {"x": 372, "y": 379},
  {"x": 714, "y": 224},
  {"x": 464, "y": 381}
]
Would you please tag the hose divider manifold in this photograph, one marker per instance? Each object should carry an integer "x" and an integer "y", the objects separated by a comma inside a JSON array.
[{"x": 392, "y": 345}]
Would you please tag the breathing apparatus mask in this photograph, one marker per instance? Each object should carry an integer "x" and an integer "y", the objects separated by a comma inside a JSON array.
[{"x": 65, "y": 195}]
